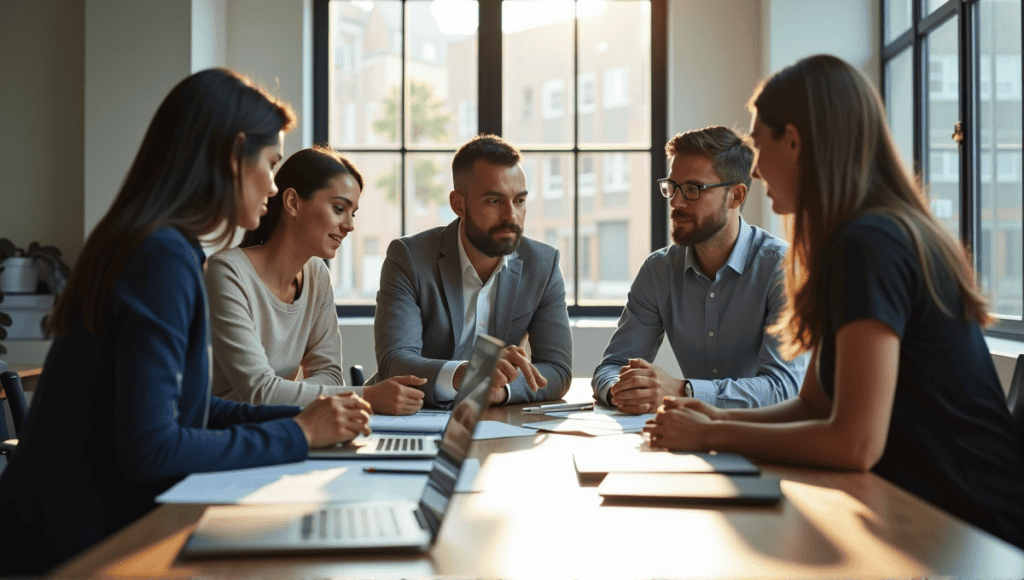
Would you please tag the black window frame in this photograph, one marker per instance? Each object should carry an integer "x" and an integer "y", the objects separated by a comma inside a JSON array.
[
  {"x": 489, "y": 111},
  {"x": 965, "y": 11}
]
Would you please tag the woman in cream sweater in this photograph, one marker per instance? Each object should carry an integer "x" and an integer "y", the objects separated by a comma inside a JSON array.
[{"x": 274, "y": 328}]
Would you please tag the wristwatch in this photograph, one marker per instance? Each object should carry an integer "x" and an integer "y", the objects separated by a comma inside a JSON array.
[{"x": 687, "y": 389}]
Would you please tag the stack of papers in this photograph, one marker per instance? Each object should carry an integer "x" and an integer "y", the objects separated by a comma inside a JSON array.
[{"x": 600, "y": 421}]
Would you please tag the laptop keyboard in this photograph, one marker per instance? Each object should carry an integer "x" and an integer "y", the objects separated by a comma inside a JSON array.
[
  {"x": 400, "y": 444},
  {"x": 353, "y": 523}
]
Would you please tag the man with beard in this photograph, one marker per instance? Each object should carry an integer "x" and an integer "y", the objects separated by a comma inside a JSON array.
[
  {"x": 441, "y": 288},
  {"x": 714, "y": 293}
]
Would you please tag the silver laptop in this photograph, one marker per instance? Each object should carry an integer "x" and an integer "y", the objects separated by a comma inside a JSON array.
[
  {"x": 398, "y": 445},
  {"x": 362, "y": 526}
]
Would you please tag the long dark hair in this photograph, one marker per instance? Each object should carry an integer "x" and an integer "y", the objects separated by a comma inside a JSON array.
[
  {"x": 182, "y": 177},
  {"x": 307, "y": 172},
  {"x": 849, "y": 166}
]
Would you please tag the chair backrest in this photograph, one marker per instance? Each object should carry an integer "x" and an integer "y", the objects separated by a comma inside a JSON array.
[
  {"x": 1015, "y": 398},
  {"x": 358, "y": 379},
  {"x": 11, "y": 383}
]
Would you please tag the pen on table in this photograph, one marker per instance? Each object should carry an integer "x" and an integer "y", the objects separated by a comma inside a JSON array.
[
  {"x": 559, "y": 407},
  {"x": 402, "y": 471}
]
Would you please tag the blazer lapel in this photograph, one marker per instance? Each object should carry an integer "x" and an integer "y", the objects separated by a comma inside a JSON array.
[
  {"x": 505, "y": 301},
  {"x": 450, "y": 268}
]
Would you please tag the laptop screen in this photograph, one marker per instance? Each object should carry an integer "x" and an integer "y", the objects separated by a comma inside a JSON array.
[{"x": 472, "y": 400}]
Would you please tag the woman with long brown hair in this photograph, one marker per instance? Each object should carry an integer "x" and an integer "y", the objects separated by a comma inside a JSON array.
[
  {"x": 901, "y": 381},
  {"x": 275, "y": 331},
  {"x": 123, "y": 407}
]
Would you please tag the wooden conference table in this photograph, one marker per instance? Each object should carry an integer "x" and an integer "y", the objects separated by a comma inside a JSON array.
[{"x": 534, "y": 520}]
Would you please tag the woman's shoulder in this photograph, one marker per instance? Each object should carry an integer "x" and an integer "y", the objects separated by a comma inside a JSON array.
[
  {"x": 872, "y": 230},
  {"x": 317, "y": 272},
  {"x": 167, "y": 248}
]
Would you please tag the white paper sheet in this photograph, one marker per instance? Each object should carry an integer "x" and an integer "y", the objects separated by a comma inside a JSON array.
[
  {"x": 499, "y": 430},
  {"x": 608, "y": 418},
  {"x": 312, "y": 480}
]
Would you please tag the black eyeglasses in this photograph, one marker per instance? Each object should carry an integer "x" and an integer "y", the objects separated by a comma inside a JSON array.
[{"x": 691, "y": 191}]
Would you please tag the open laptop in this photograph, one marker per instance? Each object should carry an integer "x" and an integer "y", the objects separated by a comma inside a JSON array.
[
  {"x": 410, "y": 446},
  {"x": 361, "y": 526}
]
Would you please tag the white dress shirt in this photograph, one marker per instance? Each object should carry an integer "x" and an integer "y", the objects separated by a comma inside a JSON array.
[{"x": 477, "y": 299}]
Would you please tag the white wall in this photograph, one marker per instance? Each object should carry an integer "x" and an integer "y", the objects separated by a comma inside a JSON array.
[
  {"x": 714, "y": 64},
  {"x": 270, "y": 41},
  {"x": 135, "y": 52},
  {"x": 41, "y": 136},
  {"x": 209, "y": 34}
]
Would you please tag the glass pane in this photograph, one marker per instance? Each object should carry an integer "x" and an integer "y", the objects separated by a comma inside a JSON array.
[
  {"x": 428, "y": 181},
  {"x": 942, "y": 162},
  {"x": 614, "y": 81},
  {"x": 615, "y": 223},
  {"x": 364, "y": 68},
  {"x": 932, "y": 5},
  {"x": 355, "y": 271},
  {"x": 549, "y": 215},
  {"x": 899, "y": 103},
  {"x": 537, "y": 41},
  {"x": 1000, "y": 174},
  {"x": 897, "y": 18},
  {"x": 441, "y": 67}
]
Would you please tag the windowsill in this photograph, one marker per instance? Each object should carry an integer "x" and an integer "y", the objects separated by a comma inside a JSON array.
[{"x": 1007, "y": 347}]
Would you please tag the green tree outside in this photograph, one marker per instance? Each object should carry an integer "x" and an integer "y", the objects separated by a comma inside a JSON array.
[{"x": 428, "y": 123}]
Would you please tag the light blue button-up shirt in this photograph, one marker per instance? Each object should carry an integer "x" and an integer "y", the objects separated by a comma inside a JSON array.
[{"x": 716, "y": 327}]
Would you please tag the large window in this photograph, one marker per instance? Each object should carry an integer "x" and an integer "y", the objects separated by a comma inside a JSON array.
[
  {"x": 952, "y": 86},
  {"x": 401, "y": 84}
]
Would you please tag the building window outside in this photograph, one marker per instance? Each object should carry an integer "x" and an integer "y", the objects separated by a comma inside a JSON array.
[
  {"x": 616, "y": 88},
  {"x": 553, "y": 98},
  {"x": 467, "y": 118},
  {"x": 948, "y": 37},
  {"x": 587, "y": 99},
  {"x": 402, "y": 95}
]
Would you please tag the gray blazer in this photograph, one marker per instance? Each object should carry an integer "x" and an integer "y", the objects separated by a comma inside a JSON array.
[{"x": 419, "y": 310}]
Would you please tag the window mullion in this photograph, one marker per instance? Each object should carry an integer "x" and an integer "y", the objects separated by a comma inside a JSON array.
[{"x": 489, "y": 67}]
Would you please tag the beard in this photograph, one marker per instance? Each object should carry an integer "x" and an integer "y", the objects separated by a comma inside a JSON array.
[
  {"x": 702, "y": 230},
  {"x": 485, "y": 242}
]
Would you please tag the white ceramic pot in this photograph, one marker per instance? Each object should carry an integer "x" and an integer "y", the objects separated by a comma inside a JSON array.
[{"x": 20, "y": 275}]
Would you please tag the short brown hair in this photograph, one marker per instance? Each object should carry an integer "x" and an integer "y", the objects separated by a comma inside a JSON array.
[
  {"x": 490, "y": 148},
  {"x": 731, "y": 154}
]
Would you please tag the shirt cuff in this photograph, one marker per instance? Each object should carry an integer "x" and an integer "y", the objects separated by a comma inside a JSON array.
[
  {"x": 704, "y": 390},
  {"x": 444, "y": 387}
]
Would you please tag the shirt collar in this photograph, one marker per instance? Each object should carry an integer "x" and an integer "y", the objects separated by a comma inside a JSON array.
[
  {"x": 737, "y": 258},
  {"x": 466, "y": 264}
]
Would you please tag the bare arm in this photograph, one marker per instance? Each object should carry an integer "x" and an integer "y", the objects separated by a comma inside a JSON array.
[{"x": 852, "y": 436}]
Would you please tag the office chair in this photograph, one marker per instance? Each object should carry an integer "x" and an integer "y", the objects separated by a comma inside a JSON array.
[
  {"x": 18, "y": 406},
  {"x": 1015, "y": 398},
  {"x": 358, "y": 379}
]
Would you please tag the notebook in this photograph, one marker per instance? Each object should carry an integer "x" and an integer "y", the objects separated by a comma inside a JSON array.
[
  {"x": 593, "y": 467},
  {"x": 360, "y": 526},
  {"x": 690, "y": 488}
]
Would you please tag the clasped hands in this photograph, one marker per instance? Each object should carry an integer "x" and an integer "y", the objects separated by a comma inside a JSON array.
[
  {"x": 513, "y": 360},
  {"x": 642, "y": 386}
]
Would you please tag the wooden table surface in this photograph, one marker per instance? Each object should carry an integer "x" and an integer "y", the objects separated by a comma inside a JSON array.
[{"x": 534, "y": 520}]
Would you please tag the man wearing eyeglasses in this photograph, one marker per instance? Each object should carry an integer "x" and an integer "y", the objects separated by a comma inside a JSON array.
[{"x": 713, "y": 293}]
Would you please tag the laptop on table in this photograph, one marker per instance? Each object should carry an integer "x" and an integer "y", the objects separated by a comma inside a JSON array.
[{"x": 360, "y": 526}]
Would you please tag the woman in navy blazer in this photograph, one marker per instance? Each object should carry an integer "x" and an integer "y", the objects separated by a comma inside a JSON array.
[{"x": 123, "y": 409}]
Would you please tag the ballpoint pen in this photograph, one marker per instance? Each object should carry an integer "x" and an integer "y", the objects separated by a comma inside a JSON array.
[
  {"x": 559, "y": 407},
  {"x": 401, "y": 471}
]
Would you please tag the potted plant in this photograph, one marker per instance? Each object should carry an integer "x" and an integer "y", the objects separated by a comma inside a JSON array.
[
  {"x": 21, "y": 268},
  {"x": 19, "y": 274}
]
